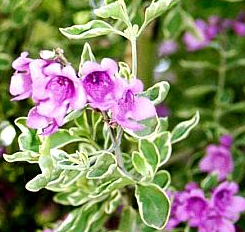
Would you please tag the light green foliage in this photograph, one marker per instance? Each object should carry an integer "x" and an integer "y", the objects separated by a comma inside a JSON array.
[
  {"x": 182, "y": 130},
  {"x": 154, "y": 205},
  {"x": 158, "y": 92},
  {"x": 91, "y": 29}
]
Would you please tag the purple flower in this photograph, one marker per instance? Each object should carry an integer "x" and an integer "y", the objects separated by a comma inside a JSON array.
[
  {"x": 99, "y": 83},
  {"x": 226, "y": 203},
  {"x": 192, "y": 42},
  {"x": 194, "y": 209},
  {"x": 191, "y": 186},
  {"x": 38, "y": 121},
  {"x": 226, "y": 141},
  {"x": 162, "y": 110},
  {"x": 21, "y": 83},
  {"x": 167, "y": 47},
  {"x": 207, "y": 32},
  {"x": 176, "y": 202},
  {"x": 55, "y": 90},
  {"x": 215, "y": 223},
  {"x": 130, "y": 108},
  {"x": 218, "y": 159},
  {"x": 239, "y": 28}
]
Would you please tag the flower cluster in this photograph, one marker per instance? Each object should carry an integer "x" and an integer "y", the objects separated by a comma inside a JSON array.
[
  {"x": 218, "y": 158},
  {"x": 209, "y": 30},
  {"x": 217, "y": 213},
  {"x": 56, "y": 89}
]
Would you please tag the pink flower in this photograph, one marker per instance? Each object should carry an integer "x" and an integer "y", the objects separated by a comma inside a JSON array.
[
  {"x": 226, "y": 203},
  {"x": 215, "y": 223},
  {"x": 55, "y": 90},
  {"x": 130, "y": 108},
  {"x": 21, "y": 83},
  {"x": 218, "y": 159},
  {"x": 99, "y": 83},
  {"x": 194, "y": 209}
]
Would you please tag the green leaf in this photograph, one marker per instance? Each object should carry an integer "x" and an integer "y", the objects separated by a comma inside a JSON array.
[
  {"x": 163, "y": 125},
  {"x": 210, "y": 182},
  {"x": 81, "y": 219},
  {"x": 153, "y": 11},
  {"x": 91, "y": 29},
  {"x": 182, "y": 130},
  {"x": 28, "y": 139},
  {"x": 141, "y": 165},
  {"x": 73, "y": 115},
  {"x": 113, "y": 202},
  {"x": 104, "y": 166},
  {"x": 162, "y": 179},
  {"x": 73, "y": 197},
  {"x": 151, "y": 125},
  {"x": 87, "y": 55},
  {"x": 62, "y": 138},
  {"x": 116, "y": 10},
  {"x": 164, "y": 146},
  {"x": 28, "y": 156},
  {"x": 157, "y": 93},
  {"x": 128, "y": 220},
  {"x": 37, "y": 183},
  {"x": 199, "y": 90},
  {"x": 150, "y": 152},
  {"x": 154, "y": 205},
  {"x": 64, "y": 180},
  {"x": 190, "y": 64},
  {"x": 124, "y": 70}
]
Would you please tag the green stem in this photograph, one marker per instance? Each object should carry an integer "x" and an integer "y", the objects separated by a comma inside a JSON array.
[
  {"x": 115, "y": 141},
  {"x": 134, "y": 57}
]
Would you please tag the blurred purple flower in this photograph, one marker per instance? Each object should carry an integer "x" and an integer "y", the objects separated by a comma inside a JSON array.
[
  {"x": 239, "y": 24},
  {"x": 192, "y": 42},
  {"x": 239, "y": 28},
  {"x": 130, "y": 108},
  {"x": 162, "y": 110},
  {"x": 226, "y": 203},
  {"x": 167, "y": 47},
  {"x": 98, "y": 81},
  {"x": 226, "y": 141},
  {"x": 215, "y": 223},
  {"x": 21, "y": 83},
  {"x": 176, "y": 202},
  {"x": 218, "y": 159},
  {"x": 195, "y": 208},
  {"x": 191, "y": 186}
]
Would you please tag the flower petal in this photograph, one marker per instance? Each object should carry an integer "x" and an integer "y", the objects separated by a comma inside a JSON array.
[
  {"x": 109, "y": 65},
  {"x": 36, "y": 120},
  {"x": 90, "y": 66},
  {"x": 143, "y": 109}
]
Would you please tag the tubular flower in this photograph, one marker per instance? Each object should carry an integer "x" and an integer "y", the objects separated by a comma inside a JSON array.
[
  {"x": 131, "y": 108},
  {"x": 99, "y": 83}
]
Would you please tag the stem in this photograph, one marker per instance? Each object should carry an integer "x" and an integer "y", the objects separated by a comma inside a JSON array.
[
  {"x": 134, "y": 56},
  {"x": 116, "y": 142}
]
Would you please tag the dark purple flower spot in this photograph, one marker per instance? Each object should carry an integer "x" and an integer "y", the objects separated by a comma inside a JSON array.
[
  {"x": 98, "y": 84},
  {"x": 196, "y": 206},
  {"x": 126, "y": 103},
  {"x": 61, "y": 87}
]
